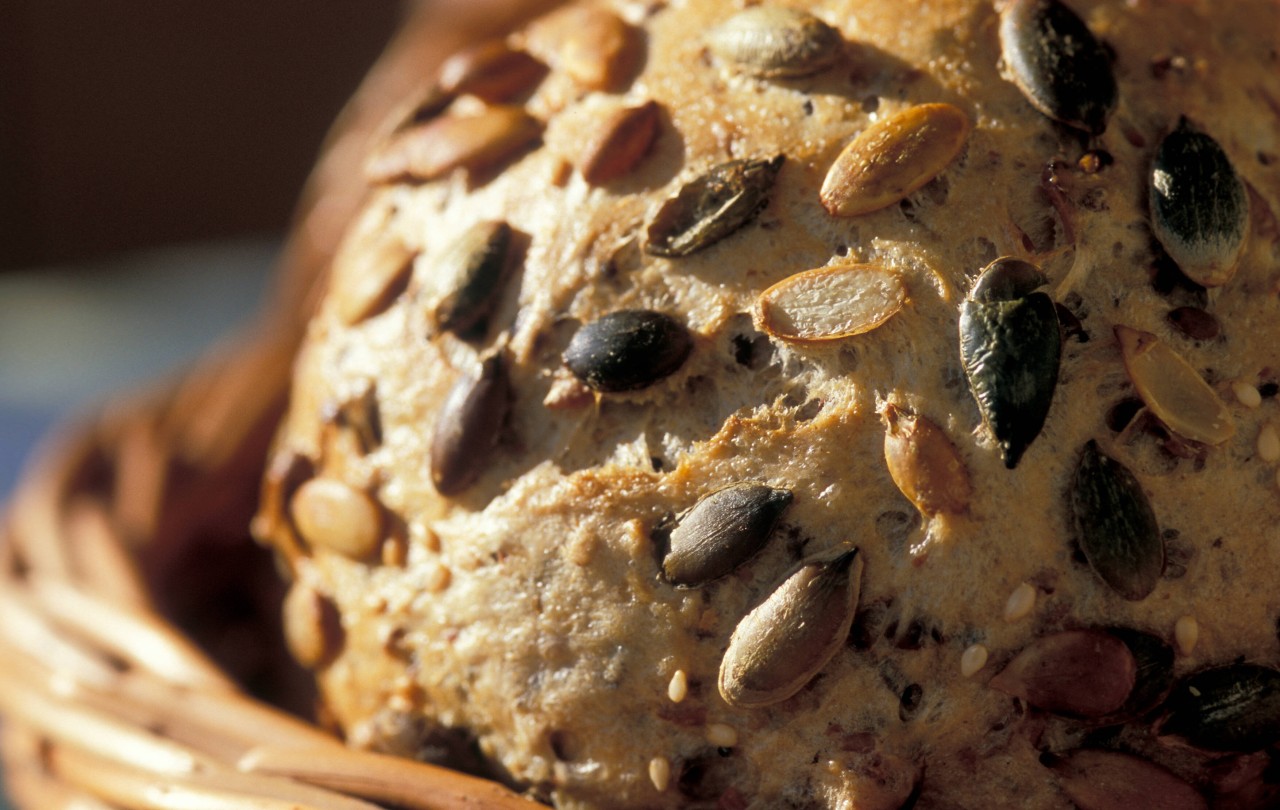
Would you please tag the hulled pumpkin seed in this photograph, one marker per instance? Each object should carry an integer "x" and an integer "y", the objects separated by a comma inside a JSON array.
[
  {"x": 1057, "y": 63},
  {"x": 468, "y": 273},
  {"x": 770, "y": 41},
  {"x": 468, "y": 426},
  {"x": 893, "y": 158},
  {"x": 722, "y": 531},
  {"x": 1081, "y": 673},
  {"x": 331, "y": 514},
  {"x": 924, "y": 463},
  {"x": 712, "y": 206},
  {"x": 1154, "y": 677},
  {"x": 830, "y": 303},
  {"x": 492, "y": 71},
  {"x": 1228, "y": 708},
  {"x": 623, "y": 140},
  {"x": 1011, "y": 347},
  {"x": 628, "y": 349},
  {"x": 1173, "y": 390},
  {"x": 784, "y": 641},
  {"x": 366, "y": 282},
  {"x": 1199, "y": 208},
  {"x": 1111, "y": 780},
  {"x": 1115, "y": 525},
  {"x": 473, "y": 142},
  {"x": 592, "y": 45}
]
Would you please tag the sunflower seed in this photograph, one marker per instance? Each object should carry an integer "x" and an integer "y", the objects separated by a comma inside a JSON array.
[
  {"x": 468, "y": 426},
  {"x": 1194, "y": 322},
  {"x": 1011, "y": 346},
  {"x": 1081, "y": 673},
  {"x": 1154, "y": 676},
  {"x": 1228, "y": 708},
  {"x": 1115, "y": 525},
  {"x": 312, "y": 627},
  {"x": 366, "y": 282},
  {"x": 722, "y": 531},
  {"x": 469, "y": 272},
  {"x": 830, "y": 303},
  {"x": 1111, "y": 780},
  {"x": 1173, "y": 390},
  {"x": 628, "y": 349},
  {"x": 592, "y": 45},
  {"x": 1057, "y": 63},
  {"x": 784, "y": 641},
  {"x": 769, "y": 41},
  {"x": 361, "y": 415},
  {"x": 1199, "y": 209},
  {"x": 893, "y": 158},
  {"x": 472, "y": 142},
  {"x": 710, "y": 207},
  {"x": 924, "y": 463},
  {"x": 492, "y": 71},
  {"x": 331, "y": 514},
  {"x": 623, "y": 140}
]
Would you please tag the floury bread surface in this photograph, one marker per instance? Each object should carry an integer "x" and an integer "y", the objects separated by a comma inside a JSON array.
[{"x": 573, "y": 311}]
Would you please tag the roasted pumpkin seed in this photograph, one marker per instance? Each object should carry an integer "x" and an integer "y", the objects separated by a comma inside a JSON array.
[
  {"x": 1011, "y": 347},
  {"x": 788, "y": 638},
  {"x": 472, "y": 142},
  {"x": 469, "y": 273},
  {"x": 712, "y": 206},
  {"x": 1199, "y": 208},
  {"x": 334, "y": 515},
  {"x": 1115, "y": 525},
  {"x": 624, "y": 138},
  {"x": 830, "y": 303},
  {"x": 771, "y": 41},
  {"x": 1111, "y": 780},
  {"x": 1057, "y": 63},
  {"x": 492, "y": 71},
  {"x": 924, "y": 463},
  {"x": 1154, "y": 677},
  {"x": 468, "y": 426},
  {"x": 893, "y": 158},
  {"x": 366, "y": 282},
  {"x": 628, "y": 349},
  {"x": 1228, "y": 708},
  {"x": 1080, "y": 673},
  {"x": 592, "y": 45},
  {"x": 1173, "y": 390},
  {"x": 722, "y": 531}
]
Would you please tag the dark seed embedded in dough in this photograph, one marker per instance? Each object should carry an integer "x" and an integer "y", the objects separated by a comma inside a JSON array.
[
  {"x": 628, "y": 349},
  {"x": 722, "y": 531},
  {"x": 710, "y": 207}
]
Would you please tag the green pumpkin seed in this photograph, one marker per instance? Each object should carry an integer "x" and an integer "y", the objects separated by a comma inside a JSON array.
[
  {"x": 1115, "y": 525},
  {"x": 628, "y": 350},
  {"x": 1011, "y": 347},
  {"x": 1228, "y": 708},
  {"x": 469, "y": 272},
  {"x": 722, "y": 531},
  {"x": 713, "y": 206},
  {"x": 1111, "y": 780},
  {"x": 1154, "y": 677},
  {"x": 468, "y": 426},
  {"x": 1199, "y": 208},
  {"x": 1080, "y": 673},
  {"x": 1057, "y": 63},
  {"x": 788, "y": 638},
  {"x": 770, "y": 41}
]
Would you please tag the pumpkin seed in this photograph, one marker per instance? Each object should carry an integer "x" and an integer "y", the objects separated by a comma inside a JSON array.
[
  {"x": 712, "y": 206},
  {"x": 1173, "y": 390},
  {"x": 893, "y": 158},
  {"x": 1111, "y": 780},
  {"x": 624, "y": 139},
  {"x": 628, "y": 349},
  {"x": 722, "y": 531},
  {"x": 492, "y": 71},
  {"x": 472, "y": 142},
  {"x": 1057, "y": 63},
  {"x": 469, "y": 272},
  {"x": 1199, "y": 209},
  {"x": 366, "y": 282},
  {"x": 924, "y": 463},
  {"x": 784, "y": 641},
  {"x": 333, "y": 515},
  {"x": 1011, "y": 347},
  {"x": 1228, "y": 708},
  {"x": 1154, "y": 677},
  {"x": 468, "y": 426},
  {"x": 1115, "y": 525},
  {"x": 769, "y": 41},
  {"x": 830, "y": 303},
  {"x": 1081, "y": 673},
  {"x": 592, "y": 45}
]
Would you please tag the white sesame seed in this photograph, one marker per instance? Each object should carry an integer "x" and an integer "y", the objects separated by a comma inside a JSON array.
[
  {"x": 1246, "y": 394},
  {"x": 1269, "y": 443},
  {"x": 721, "y": 735},
  {"x": 679, "y": 686},
  {"x": 1020, "y": 603},
  {"x": 660, "y": 773},
  {"x": 972, "y": 660},
  {"x": 1186, "y": 632}
]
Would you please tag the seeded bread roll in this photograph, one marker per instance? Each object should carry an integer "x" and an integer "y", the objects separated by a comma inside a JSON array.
[{"x": 865, "y": 405}]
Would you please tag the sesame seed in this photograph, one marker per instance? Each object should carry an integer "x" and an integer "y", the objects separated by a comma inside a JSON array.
[
  {"x": 679, "y": 686},
  {"x": 660, "y": 773},
  {"x": 1020, "y": 603},
  {"x": 1186, "y": 632},
  {"x": 972, "y": 660},
  {"x": 722, "y": 735},
  {"x": 1246, "y": 394},
  {"x": 1269, "y": 443}
]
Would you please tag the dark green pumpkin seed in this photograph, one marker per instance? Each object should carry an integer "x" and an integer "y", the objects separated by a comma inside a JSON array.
[
  {"x": 1227, "y": 708},
  {"x": 1199, "y": 208},
  {"x": 712, "y": 206},
  {"x": 1058, "y": 64},
  {"x": 468, "y": 427},
  {"x": 1011, "y": 347},
  {"x": 1154, "y": 676},
  {"x": 628, "y": 349},
  {"x": 472, "y": 269},
  {"x": 722, "y": 531},
  {"x": 1115, "y": 525}
]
